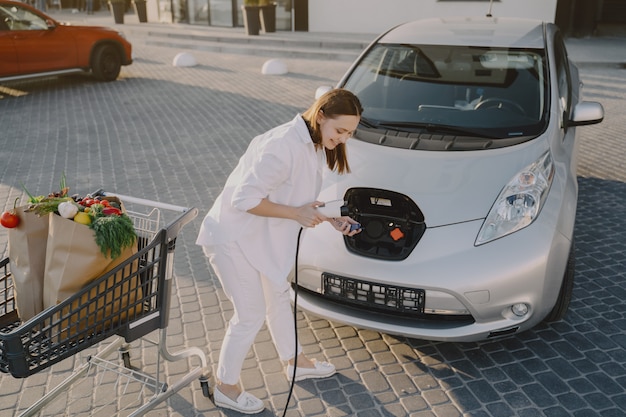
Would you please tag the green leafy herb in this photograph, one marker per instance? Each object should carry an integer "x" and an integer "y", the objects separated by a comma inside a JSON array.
[{"x": 114, "y": 234}]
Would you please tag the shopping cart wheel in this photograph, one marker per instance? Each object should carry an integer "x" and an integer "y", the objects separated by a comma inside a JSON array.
[
  {"x": 206, "y": 391},
  {"x": 124, "y": 352},
  {"x": 126, "y": 359}
]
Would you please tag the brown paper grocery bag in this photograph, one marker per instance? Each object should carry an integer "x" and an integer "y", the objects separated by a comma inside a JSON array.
[
  {"x": 27, "y": 257},
  {"x": 73, "y": 259},
  {"x": 115, "y": 299}
]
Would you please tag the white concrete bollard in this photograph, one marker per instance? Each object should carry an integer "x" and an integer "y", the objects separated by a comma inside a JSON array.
[
  {"x": 274, "y": 67},
  {"x": 184, "y": 59}
]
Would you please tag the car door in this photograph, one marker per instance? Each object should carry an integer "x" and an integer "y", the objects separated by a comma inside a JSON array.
[
  {"x": 38, "y": 47},
  {"x": 8, "y": 63}
]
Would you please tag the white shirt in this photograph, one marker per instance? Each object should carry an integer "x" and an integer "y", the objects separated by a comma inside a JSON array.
[{"x": 283, "y": 166}]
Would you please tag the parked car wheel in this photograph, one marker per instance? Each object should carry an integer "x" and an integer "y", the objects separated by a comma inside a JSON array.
[{"x": 107, "y": 63}]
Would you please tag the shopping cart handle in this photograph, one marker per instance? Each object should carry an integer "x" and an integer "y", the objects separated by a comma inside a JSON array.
[
  {"x": 141, "y": 201},
  {"x": 174, "y": 228}
]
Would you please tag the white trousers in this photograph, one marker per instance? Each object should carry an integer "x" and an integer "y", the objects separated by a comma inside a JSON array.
[{"x": 255, "y": 299}]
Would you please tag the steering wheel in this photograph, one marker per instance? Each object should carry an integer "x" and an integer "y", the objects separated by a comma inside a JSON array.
[
  {"x": 500, "y": 103},
  {"x": 410, "y": 76}
]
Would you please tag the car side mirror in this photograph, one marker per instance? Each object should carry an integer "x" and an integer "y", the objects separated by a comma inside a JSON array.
[
  {"x": 586, "y": 113},
  {"x": 50, "y": 24}
]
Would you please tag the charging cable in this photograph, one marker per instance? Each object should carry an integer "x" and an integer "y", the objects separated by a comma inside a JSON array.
[
  {"x": 295, "y": 324},
  {"x": 295, "y": 316}
]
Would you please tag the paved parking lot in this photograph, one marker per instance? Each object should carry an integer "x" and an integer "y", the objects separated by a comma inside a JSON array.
[{"x": 173, "y": 134}]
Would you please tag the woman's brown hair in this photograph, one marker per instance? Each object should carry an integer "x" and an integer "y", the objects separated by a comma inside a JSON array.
[{"x": 336, "y": 102}]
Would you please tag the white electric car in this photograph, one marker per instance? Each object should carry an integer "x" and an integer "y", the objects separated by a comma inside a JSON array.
[{"x": 464, "y": 179}]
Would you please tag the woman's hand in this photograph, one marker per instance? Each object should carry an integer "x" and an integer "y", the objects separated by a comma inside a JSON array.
[
  {"x": 343, "y": 225},
  {"x": 308, "y": 215}
]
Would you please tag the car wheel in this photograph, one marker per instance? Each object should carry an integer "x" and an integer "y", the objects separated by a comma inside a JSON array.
[
  {"x": 106, "y": 63},
  {"x": 567, "y": 287}
]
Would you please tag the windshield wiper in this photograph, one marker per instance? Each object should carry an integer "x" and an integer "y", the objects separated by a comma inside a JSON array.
[
  {"x": 368, "y": 123},
  {"x": 435, "y": 128}
]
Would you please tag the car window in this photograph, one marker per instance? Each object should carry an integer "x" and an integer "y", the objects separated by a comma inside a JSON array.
[
  {"x": 496, "y": 92},
  {"x": 3, "y": 24},
  {"x": 18, "y": 18}
]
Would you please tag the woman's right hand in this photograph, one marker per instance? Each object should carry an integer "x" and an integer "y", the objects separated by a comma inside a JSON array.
[{"x": 308, "y": 215}]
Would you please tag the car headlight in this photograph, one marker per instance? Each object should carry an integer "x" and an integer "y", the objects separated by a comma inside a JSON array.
[{"x": 519, "y": 202}]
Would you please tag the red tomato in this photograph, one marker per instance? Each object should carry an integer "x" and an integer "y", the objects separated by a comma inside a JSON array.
[{"x": 9, "y": 219}]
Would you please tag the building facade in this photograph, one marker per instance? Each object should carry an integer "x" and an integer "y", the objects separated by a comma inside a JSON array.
[{"x": 575, "y": 17}]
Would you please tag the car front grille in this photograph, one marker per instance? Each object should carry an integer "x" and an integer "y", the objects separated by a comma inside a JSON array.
[{"x": 374, "y": 296}]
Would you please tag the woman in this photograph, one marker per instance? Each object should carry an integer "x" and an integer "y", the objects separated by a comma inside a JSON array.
[{"x": 250, "y": 235}]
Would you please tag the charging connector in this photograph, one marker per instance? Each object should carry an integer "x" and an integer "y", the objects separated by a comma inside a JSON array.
[
  {"x": 338, "y": 208},
  {"x": 334, "y": 208}
]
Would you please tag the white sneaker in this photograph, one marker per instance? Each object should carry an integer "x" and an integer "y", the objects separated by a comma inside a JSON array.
[
  {"x": 246, "y": 403},
  {"x": 321, "y": 370}
]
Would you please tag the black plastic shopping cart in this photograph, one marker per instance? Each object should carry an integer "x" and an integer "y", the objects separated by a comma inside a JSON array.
[{"x": 128, "y": 302}]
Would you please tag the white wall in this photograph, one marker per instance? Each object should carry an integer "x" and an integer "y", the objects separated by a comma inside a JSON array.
[{"x": 376, "y": 16}]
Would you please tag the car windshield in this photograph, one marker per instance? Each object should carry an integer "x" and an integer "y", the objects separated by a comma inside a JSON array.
[{"x": 460, "y": 90}]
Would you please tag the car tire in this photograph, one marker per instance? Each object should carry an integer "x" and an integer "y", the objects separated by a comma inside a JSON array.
[
  {"x": 567, "y": 287},
  {"x": 106, "y": 63}
]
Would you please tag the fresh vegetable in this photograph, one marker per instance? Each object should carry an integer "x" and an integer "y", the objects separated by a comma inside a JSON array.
[
  {"x": 114, "y": 230},
  {"x": 109, "y": 211},
  {"x": 63, "y": 190},
  {"x": 87, "y": 202},
  {"x": 82, "y": 218},
  {"x": 113, "y": 234},
  {"x": 44, "y": 205},
  {"x": 67, "y": 209},
  {"x": 31, "y": 198},
  {"x": 47, "y": 205},
  {"x": 10, "y": 219}
]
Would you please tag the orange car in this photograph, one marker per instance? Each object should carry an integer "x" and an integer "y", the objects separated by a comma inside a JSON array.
[{"x": 32, "y": 44}]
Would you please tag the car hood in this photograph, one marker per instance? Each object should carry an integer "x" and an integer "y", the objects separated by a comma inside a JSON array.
[
  {"x": 448, "y": 186},
  {"x": 71, "y": 26}
]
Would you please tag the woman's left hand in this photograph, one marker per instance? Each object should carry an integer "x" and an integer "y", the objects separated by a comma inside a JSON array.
[{"x": 343, "y": 225}]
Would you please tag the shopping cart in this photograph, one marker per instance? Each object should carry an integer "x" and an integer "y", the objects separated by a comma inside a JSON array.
[{"x": 130, "y": 301}]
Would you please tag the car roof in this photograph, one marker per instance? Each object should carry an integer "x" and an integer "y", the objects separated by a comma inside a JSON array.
[
  {"x": 470, "y": 31},
  {"x": 15, "y": 2}
]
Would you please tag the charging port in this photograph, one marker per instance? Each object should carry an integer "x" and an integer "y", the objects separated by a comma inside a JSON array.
[{"x": 392, "y": 223}]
